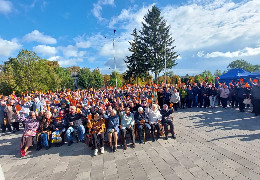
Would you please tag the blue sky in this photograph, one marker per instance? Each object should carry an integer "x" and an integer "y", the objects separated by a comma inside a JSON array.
[{"x": 208, "y": 34}]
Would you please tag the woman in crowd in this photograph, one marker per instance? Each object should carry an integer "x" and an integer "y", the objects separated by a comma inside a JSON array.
[
  {"x": 212, "y": 96},
  {"x": 175, "y": 99},
  {"x": 154, "y": 120},
  {"x": 45, "y": 131},
  {"x": 97, "y": 130},
  {"x": 224, "y": 93},
  {"x": 113, "y": 129},
  {"x": 31, "y": 125},
  {"x": 61, "y": 125},
  {"x": 183, "y": 94}
]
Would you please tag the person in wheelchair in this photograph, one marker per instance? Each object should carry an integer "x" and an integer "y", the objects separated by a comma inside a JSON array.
[
  {"x": 76, "y": 124},
  {"x": 97, "y": 130},
  {"x": 60, "y": 125},
  {"x": 142, "y": 121},
  {"x": 155, "y": 119},
  {"x": 167, "y": 119},
  {"x": 127, "y": 124}
]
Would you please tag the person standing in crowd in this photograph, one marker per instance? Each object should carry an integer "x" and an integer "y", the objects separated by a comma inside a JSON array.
[
  {"x": 183, "y": 94},
  {"x": 167, "y": 96},
  {"x": 97, "y": 129},
  {"x": 224, "y": 93},
  {"x": 203, "y": 95},
  {"x": 212, "y": 96},
  {"x": 142, "y": 121},
  {"x": 12, "y": 116},
  {"x": 233, "y": 94},
  {"x": 30, "y": 129},
  {"x": 154, "y": 120},
  {"x": 75, "y": 123},
  {"x": 242, "y": 94},
  {"x": 113, "y": 129},
  {"x": 255, "y": 94},
  {"x": 167, "y": 119},
  {"x": 127, "y": 124},
  {"x": 189, "y": 96},
  {"x": 3, "y": 118},
  {"x": 37, "y": 105},
  {"x": 195, "y": 91},
  {"x": 175, "y": 99}
]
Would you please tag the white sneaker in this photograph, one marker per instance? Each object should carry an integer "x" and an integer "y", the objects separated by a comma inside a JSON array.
[
  {"x": 102, "y": 150},
  {"x": 95, "y": 152}
]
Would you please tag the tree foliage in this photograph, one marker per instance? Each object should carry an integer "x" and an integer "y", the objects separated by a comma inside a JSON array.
[
  {"x": 156, "y": 41},
  {"x": 28, "y": 72},
  {"x": 240, "y": 63}
]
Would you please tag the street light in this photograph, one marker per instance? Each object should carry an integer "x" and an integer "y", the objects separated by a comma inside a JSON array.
[{"x": 165, "y": 62}]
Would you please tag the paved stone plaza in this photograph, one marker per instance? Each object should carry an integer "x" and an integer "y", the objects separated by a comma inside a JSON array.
[{"x": 211, "y": 144}]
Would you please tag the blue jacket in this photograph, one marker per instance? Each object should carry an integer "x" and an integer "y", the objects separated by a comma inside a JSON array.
[{"x": 113, "y": 123}]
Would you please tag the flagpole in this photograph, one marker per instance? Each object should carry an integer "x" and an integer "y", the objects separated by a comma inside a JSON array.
[
  {"x": 114, "y": 55},
  {"x": 165, "y": 63}
]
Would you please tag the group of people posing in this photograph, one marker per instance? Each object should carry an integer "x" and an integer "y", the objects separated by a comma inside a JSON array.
[{"x": 106, "y": 115}]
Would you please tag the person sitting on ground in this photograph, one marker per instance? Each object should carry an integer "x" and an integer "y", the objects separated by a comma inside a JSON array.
[
  {"x": 31, "y": 125},
  {"x": 167, "y": 119},
  {"x": 45, "y": 131},
  {"x": 154, "y": 119},
  {"x": 113, "y": 129},
  {"x": 97, "y": 129},
  {"x": 142, "y": 121},
  {"x": 75, "y": 122},
  {"x": 127, "y": 124}
]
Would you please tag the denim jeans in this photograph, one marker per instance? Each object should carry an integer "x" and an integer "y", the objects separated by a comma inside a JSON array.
[
  {"x": 81, "y": 132},
  {"x": 44, "y": 139}
]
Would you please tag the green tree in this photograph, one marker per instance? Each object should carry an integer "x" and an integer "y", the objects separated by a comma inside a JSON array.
[
  {"x": 207, "y": 76},
  {"x": 136, "y": 63},
  {"x": 240, "y": 63},
  {"x": 217, "y": 73},
  {"x": 113, "y": 78},
  {"x": 155, "y": 41},
  {"x": 98, "y": 79},
  {"x": 65, "y": 79},
  {"x": 85, "y": 78}
]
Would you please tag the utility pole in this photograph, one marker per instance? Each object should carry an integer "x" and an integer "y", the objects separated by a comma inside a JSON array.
[
  {"x": 165, "y": 63},
  {"x": 114, "y": 50}
]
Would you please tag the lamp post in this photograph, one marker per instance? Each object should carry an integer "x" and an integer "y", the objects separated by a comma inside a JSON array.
[{"x": 114, "y": 52}]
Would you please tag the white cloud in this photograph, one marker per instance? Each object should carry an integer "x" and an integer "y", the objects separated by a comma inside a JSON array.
[
  {"x": 65, "y": 61},
  {"x": 196, "y": 26},
  {"x": 97, "y": 8},
  {"x": 8, "y": 47},
  {"x": 240, "y": 53},
  {"x": 72, "y": 51},
  {"x": 45, "y": 50},
  {"x": 81, "y": 42},
  {"x": 39, "y": 37},
  {"x": 5, "y": 7}
]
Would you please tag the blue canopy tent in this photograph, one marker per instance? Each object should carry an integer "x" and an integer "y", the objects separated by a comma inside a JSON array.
[{"x": 234, "y": 75}]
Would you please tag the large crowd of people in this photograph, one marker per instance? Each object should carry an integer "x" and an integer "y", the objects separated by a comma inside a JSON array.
[{"x": 108, "y": 114}]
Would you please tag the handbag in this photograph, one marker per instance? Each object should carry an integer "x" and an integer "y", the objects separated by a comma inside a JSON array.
[
  {"x": 56, "y": 137},
  {"x": 247, "y": 101}
]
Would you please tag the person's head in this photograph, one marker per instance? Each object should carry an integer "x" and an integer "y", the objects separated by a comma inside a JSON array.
[
  {"x": 113, "y": 112},
  {"x": 73, "y": 109},
  {"x": 140, "y": 110},
  {"x": 109, "y": 108},
  {"x": 96, "y": 116},
  {"x": 127, "y": 110},
  {"x": 165, "y": 106},
  {"x": 12, "y": 102},
  {"x": 32, "y": 114},
  {"x": 154, "y": 107},
  {"x": 3, "y": 103},
  {"x": 62, "y": 113},
  {"x": 48, "y": 114},
  {"x": 175, "y": 90}
]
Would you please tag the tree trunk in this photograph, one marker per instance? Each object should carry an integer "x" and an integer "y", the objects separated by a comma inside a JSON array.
[{"x": 156, "y": 77}]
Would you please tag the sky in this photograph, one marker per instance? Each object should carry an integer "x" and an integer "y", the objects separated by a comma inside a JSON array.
[{"x": 209, "y": 34}]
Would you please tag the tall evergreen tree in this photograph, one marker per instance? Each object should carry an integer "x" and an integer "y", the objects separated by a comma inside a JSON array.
[
  {"x": 155, "y": 41},
  {"x": 136, "y": 63}
]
